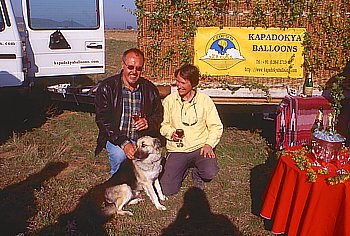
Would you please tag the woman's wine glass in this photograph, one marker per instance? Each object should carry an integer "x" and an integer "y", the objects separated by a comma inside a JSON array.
[{"x": 180, "y": 133}]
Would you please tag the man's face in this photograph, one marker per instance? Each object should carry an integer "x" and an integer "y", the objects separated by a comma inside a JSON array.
[
  {"x": 183, "y": 85},
  {"x": 132, "y": 68}
]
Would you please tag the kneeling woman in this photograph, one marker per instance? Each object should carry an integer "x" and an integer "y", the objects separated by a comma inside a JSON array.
[{"x": 193, "y": 114}]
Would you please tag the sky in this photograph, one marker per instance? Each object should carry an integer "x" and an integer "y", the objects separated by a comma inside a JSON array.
[{"x": 115, "y": 11}]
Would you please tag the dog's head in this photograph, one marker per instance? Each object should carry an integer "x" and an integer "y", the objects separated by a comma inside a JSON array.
[{"x": 147, "y": 145}]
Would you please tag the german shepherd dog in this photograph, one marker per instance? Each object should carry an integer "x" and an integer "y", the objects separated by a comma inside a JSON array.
[{"x": 134, "y": 176}]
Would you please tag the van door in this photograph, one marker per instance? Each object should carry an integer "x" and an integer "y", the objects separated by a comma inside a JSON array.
[
  {"x": 11, "y": 55},
  {"x": 64, "y": 37}
]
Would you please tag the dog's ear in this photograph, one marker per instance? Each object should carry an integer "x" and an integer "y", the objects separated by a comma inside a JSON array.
[{"x": 157, "y": 144}]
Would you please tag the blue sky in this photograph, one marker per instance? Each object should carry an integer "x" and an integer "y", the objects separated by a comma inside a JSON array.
[{"x": 116, "y": 16}]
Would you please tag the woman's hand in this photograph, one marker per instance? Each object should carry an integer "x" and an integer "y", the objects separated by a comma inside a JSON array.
[{"x": 207, "y": 151}]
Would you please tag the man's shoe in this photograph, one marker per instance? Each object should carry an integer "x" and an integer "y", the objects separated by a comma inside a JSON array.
[{"x": 198, "y": 183}]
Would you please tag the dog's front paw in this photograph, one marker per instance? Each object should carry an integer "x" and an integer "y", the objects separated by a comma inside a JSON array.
[
  {"x": 161, "y": 207},
  {"x": 163, "y": 198}
]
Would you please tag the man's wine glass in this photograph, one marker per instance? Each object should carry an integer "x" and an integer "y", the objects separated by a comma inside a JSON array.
[{"x": 136, "y": 116}]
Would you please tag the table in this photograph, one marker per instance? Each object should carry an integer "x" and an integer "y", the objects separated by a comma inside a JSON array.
[{"x": 299, "y": 207}]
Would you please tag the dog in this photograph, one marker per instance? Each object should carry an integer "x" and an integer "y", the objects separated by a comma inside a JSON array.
[{"x": 134, "y": 176}]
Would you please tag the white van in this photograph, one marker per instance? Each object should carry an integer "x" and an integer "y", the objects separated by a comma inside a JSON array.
[{"x": 63, "y": 37}]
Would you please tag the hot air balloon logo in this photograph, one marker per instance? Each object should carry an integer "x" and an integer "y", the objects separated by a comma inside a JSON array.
[
  {"x": 223, "y": 45},
  {"x": 222, "y": 52}
]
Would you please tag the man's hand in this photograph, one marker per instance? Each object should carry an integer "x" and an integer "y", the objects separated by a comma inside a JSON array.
[
  {"x": 141, "y": 124},
  {"x": 129, "y": 150},
  {"x": 207, "y": 151}
]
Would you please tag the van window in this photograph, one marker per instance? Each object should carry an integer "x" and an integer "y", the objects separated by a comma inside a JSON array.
[{"x": 63, "y": 14}]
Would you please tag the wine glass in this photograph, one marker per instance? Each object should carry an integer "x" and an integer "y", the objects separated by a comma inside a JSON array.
[
  {"x": 180, "y": 133},
  {"x": 327, "y": 156},
  {"x": 342, "y": 157},
  {"x": 316, "y": 150},
  {"x": 136, "y": 116}
]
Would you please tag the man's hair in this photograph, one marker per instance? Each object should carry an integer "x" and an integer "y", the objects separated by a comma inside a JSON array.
[
  {"x": 136, "y": 51},
  {"x": 189, "y": 72}
]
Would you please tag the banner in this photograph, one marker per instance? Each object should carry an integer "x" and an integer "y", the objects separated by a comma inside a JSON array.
[{"x": 256, "y": 52}]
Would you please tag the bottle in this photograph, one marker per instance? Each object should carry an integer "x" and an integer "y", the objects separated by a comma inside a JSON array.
[
  {"x": 292, "y": 141},
  {"x": 330, "y": 125},
  {"x": 318, "y": 123},
  {"x": 308, "y": 85}
]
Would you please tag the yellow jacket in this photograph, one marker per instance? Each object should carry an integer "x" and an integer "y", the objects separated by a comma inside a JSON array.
[{"x": 198, "y": 118}]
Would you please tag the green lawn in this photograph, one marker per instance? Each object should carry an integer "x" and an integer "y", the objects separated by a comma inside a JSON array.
[{"x": 51, "y": 175}]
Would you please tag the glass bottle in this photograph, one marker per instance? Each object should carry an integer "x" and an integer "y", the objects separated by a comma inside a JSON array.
[
  {"x": 330, "y": 124},
  {"x": 318, "y": 123},
  {"x": 292, "y": 141},
  {"x": 308, "y": 85}
]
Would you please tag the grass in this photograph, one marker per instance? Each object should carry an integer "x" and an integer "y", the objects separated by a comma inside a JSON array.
[{"x": 51, "y": 182}]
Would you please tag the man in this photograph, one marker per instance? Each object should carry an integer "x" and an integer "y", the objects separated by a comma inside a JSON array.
[
  {"x": 196, "y": 114},
  {"x": 117, "y": 99}
]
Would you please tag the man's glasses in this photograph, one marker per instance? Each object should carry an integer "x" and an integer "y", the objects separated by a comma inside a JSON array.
[
  {"x": 131, "y": 67},
  {"x": 186, "y": 120}
]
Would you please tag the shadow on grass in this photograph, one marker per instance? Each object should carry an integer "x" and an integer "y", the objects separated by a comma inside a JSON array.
[
  {"x": 18, "y": 203},
  {"x": 245, "y": 121},
  {"x": 259, "y": 178},
  {"x": 86, "y": 218},
  {"x": 196, "y": 218},
  {"x": 25, "y": 108}
]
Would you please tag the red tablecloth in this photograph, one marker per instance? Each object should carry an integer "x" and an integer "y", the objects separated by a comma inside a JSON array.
[{"x": 299, "y": 207}]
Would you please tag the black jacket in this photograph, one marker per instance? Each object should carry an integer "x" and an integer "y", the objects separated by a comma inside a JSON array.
[{"x": 108, "y": 104}]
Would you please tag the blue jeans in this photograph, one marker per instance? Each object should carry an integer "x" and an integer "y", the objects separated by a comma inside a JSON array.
[{"x": 116, "y": 156}]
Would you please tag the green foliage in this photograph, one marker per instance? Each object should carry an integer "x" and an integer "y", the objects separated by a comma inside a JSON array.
[
  {"x": 337, "y": 95},
  {"x": 258, "y": 86},
  {"x": 139, "y": 13}
]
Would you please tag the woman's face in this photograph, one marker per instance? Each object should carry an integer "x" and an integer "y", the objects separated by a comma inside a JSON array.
[{"x": 184, "y": 86}]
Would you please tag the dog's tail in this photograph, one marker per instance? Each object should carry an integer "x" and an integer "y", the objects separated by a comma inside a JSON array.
[{"x": 109, "y": 210}]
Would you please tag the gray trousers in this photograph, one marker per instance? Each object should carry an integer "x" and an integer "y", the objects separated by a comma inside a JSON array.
[{"x": 176, "y": 169}]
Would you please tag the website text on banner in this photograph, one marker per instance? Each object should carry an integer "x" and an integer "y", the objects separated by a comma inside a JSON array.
[{"x": 256, "y": 52}]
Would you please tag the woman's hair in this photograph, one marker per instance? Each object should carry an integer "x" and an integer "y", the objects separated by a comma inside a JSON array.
[{"x": 189, "y": 72}]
